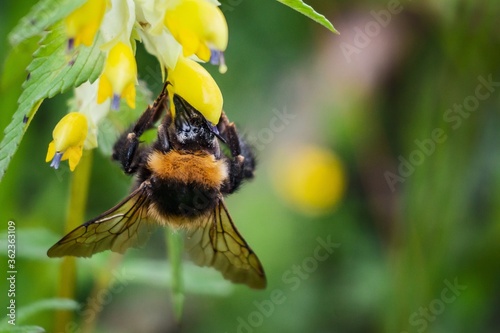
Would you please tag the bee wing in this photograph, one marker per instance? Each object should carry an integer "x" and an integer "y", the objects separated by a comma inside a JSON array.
[
  {"x": 117, "y": 229},
  {"x": 218, "y": 243}
]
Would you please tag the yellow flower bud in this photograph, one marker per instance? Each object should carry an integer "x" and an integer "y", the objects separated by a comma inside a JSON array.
[
  {"x": 83, "y": 23},
  {"x": 201, "y": 28},
  {"x": 69, "y": 136},
  {"x": 192, "y": 82},
  {"x": 312, "y": 180},
  {"x": 119, "y": 77}
]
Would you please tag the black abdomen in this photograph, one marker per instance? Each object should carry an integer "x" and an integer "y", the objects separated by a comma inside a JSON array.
[{"x": 174, "y": 198}]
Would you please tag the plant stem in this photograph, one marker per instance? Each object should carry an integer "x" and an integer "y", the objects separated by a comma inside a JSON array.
[
  {"x": 79, "y": 185},
  {"x": 175, "y": 246}
]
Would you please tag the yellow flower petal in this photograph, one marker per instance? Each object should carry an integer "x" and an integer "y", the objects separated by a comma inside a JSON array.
[
  {"x": 119, "y": 76},
  {"x": 193, "y": 83},
  {"x": 129, "y": 95},
  {"x": 203, "y": 52},
  {"x": 51, "y": 151},
  {"x": 84, "y": 22},
  {"x": 105, "y": 90},
  {"x": 69, "y": 136},
  {"x": 74, "y": 154},
  {"x": 198, "y": 26},
  {"x": 70, "y": 131}
]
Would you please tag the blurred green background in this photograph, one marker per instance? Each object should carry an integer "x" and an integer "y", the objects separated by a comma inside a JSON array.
[{"x": 401, "y": 101}]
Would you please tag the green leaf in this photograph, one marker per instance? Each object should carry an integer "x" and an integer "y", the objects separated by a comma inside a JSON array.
[
  {"x": 42, "y": 15},
  {"x": 308, "y": 11},
  {"x": 45, "y": 304},
  {"x": 51, "y": 72}
]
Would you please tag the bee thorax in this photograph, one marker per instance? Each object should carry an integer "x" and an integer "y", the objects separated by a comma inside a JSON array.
[{"x": 203, "y": 169}]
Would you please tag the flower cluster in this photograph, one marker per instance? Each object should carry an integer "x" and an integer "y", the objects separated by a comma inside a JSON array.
[{"x": 177, "y": 32}]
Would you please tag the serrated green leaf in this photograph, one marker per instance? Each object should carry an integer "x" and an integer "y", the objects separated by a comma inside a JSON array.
[
  {"x": 51, "y": 73},
  {"x": 41, "y": 16},
  {"x": 308, "y": 11}
]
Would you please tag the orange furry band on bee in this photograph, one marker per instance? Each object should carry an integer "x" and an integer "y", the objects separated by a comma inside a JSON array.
[{"x": 199, "y": 168}]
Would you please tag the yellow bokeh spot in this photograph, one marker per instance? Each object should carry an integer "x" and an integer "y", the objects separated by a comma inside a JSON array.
[
  {"x": 84, "y": 22},
  {"x": 119, "y": 76},
  {"x": 312, "y": 181},
  {"x": 198, "y": 26},
  {"x": 192, "y": 82},
  {"x": 68, "y": 138}
]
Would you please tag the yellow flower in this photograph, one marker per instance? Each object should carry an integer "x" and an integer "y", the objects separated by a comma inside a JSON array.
[
  {"x": 193, "y": 83},
  {"x": 118, "y": 77},
  {"x": 312, "y": 180},
  {"x": 201, "y": 28},
  {"x": 69, "y": 136},
  {"x": 83, "y": 23}
]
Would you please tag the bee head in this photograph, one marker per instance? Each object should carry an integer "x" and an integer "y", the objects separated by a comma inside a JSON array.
[{"x": 190, "y": 126}]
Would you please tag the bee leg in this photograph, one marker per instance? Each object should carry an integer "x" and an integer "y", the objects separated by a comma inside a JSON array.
[
  {"x": 126, "y": 149},
  {"x": 242, "y": 161},
  {"x": 163, "y": 143},
  {"x": 227, "y": 131}
]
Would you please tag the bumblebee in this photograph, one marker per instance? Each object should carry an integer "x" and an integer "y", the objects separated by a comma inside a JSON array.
[{"x": 181, "y": 180}]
